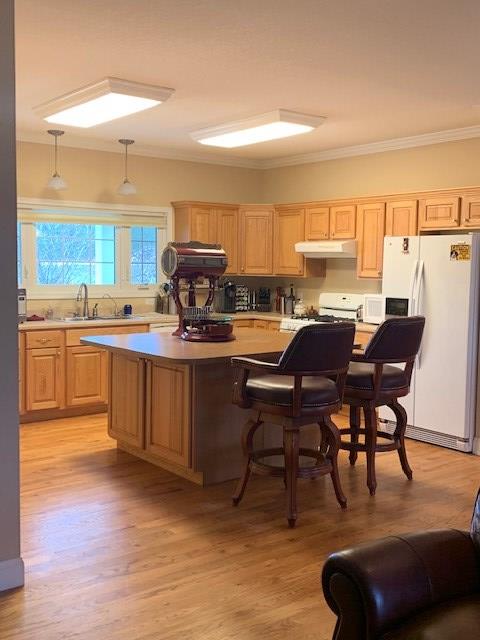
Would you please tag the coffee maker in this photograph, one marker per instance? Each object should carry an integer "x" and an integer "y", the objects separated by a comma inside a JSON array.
[{"x": 228, "y": 297}]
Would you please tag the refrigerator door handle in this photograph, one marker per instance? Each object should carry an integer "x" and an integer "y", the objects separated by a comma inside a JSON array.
[
  {"x": 418, "y": 295},
  {"x": 413, "y": 282}
]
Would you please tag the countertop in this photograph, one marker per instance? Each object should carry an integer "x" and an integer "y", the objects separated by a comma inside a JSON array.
[
  {"x": 163, "y": 346},
  {"x": 157, "y": 318}
]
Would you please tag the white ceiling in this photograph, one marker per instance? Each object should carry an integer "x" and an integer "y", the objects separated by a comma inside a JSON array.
[{"x": 377, "y": 69}]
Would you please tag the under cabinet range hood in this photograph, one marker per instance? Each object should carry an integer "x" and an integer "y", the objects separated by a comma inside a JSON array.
[{"x": 327, "y": 248}]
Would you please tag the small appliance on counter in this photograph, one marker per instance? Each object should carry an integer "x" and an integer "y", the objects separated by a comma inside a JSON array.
[
  {"x": 190, "y": 261},
  {"x": 227, "y": 297},
  {"x": 22, "y": 305}
]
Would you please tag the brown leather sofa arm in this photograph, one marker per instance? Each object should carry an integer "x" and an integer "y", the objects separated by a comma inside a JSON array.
[{"x": 376, "y": 586}]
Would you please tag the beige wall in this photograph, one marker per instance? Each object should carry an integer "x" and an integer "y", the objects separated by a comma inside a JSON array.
[
  {"x": 93, "y": 176},
  {"x": 439, "y": 166}
]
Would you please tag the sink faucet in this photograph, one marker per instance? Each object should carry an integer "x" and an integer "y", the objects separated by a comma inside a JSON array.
[
  {"x": 107, "y": 295},
  {"x": 83, "y": 292}
]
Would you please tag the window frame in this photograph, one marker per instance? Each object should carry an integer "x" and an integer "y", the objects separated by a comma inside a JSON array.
[{"x": 122, "y": 287}]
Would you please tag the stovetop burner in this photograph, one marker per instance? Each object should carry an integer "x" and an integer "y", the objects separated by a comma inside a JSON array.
[{"x": 319, "y": 318}]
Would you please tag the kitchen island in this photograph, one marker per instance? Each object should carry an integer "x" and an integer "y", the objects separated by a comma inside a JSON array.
[{"x": 170, "y": 400}]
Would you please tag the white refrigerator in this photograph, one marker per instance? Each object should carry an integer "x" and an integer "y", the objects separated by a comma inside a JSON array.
[{"x": 439, "y": 277}]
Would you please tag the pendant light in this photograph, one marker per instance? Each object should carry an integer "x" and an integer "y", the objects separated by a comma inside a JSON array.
[
  {"x": 56, "y": 182},
  {"x": 126, "y": 188}
]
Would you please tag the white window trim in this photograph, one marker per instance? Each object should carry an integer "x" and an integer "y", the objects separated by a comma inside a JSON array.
[{"x": 123, "y": 287}]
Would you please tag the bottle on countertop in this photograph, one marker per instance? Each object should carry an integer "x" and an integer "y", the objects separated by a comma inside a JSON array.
[{"x": 290, "y": 302}]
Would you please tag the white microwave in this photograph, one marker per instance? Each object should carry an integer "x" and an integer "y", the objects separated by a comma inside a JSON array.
[{"x": 377, "y": 308}]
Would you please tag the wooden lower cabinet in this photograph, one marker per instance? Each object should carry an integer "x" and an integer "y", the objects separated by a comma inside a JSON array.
[
  {"x": 167, "y": 420},
  {"x": 86, "y": 376},
  {"x": 21, "y": 374},
  {"x": 44, "y": 378},
  {"x": 126, "y": 413},
  {"x": 243, "y": 323}
]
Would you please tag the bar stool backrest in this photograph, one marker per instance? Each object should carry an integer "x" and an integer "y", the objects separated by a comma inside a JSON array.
[
  {"x": 319, "y": 349},
  {"x": 396, "y": 340}
]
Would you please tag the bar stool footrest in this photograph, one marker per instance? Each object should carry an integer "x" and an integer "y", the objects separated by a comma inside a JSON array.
[{"x": 322, "y": 467}]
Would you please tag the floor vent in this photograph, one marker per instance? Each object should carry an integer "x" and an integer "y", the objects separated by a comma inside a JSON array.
[{"x": 417, "y": 433}]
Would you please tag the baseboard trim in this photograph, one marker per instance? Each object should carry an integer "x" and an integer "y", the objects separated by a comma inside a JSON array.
[
  {"x": 12, "y": 574},
  {"x": 476, "y": 446}
]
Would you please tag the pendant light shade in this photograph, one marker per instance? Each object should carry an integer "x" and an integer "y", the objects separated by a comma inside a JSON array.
[
  {"x": 127, "y": 188},
  {"x": 56, "y": 182}
]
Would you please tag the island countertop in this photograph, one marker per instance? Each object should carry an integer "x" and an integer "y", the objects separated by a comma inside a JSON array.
[{"x": 248, "y": 342}]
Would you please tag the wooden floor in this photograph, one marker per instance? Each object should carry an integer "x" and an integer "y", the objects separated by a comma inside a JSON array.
[{"x": 117, "y": 549}]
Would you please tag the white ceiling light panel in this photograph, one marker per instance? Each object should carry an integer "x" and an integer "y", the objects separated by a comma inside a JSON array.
[
  {"x": 103, "y": 101},
  {"x": 268, "y": 126}
]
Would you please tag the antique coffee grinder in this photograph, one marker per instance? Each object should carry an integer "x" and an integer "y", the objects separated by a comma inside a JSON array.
[{"x": 189, "y": 261}]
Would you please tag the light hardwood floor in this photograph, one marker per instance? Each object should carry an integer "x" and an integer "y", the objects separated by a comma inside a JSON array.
[{"x": 118, "y": 549}]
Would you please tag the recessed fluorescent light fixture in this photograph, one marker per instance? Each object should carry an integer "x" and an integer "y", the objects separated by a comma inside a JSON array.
[
  {"x": 268, "y": 126},
  {"x": 103, "y": 101}
]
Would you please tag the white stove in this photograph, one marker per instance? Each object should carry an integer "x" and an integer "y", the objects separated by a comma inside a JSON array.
[{"x": 333, "y": 307}]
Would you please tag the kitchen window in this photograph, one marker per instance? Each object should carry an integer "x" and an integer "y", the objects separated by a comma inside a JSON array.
[{"x": 112, "y": 249}]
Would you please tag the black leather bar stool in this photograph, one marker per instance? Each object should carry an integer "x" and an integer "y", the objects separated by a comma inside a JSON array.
[
  {"x": 304, "y": 387},
  {"x": 373, "y": 382}
]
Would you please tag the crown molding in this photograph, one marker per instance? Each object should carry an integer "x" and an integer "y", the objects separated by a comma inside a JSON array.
[
  {"x": 146, "y": 151},
  {"x": 394, "y": 144}
]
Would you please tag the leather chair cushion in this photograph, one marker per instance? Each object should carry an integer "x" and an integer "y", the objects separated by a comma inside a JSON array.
[
  {"x": 278, "y": 390},
  {"x": 452, "y": 620},
  {"x": 360, "y": 376}
]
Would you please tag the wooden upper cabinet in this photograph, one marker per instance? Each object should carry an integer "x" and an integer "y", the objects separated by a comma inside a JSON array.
[
  {"x": 288, "y": 229},
  {"x": 471, "y": 211},
  {"x": 439, "y": 213},
  {"x": 256, "y": 235},
  {"x": 203, "y": 225},
  {"x": 371, "y": 231},
  {"x": 44, "y": 379},
  {"x": 86, "y": 376},
  {"x": 401, "y": 218},
  {"x": 227, "y": 236},
  {"x": 342, "y": 222},
  {"x": 317, "y": 223}
]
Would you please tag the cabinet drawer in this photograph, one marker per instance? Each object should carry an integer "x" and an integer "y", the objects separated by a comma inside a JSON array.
[
  {"x": 260, "y": 324},
  {"x": 73, "y": 336},
  {"x": 43, "y": 339},
  {"x": 242, "y": 323}
]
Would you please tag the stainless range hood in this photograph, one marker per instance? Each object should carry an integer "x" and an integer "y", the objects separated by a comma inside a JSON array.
[{"x": 327, "y": 248}]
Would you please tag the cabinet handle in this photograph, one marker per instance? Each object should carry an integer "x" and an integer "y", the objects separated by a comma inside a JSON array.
[
  {"x": 58, "y": 353},
  {"x": 44, "y": 340}
]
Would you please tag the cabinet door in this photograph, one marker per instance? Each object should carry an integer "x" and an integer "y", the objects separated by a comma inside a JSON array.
[
  {"x": 168, "y": 413},
  {"x": 127, "y": 393},
  {"x": 44, "y": 379},
  {"x": 317, "y": 223},
  {"x": 227, "y": 236},
  {"x": 401, "y": 218},
  {"x": 471, "y": 211},
  {"x": 439, "y": 213},
  {"x": 256, "y": 241},
  {"x": 342, "y": 222},
  {"x": 289, "y": 228},
  {"x": 86, "y": 376},
  {"x": 21, "y": 373},
  {"x": 202, "y": 224},
  {"x": 273, "y": 325},
  {"x": 371, "y": 230}
]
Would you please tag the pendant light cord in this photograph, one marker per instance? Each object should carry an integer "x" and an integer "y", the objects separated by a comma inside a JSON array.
[
  {"x": 126, "y": 163},
  {"x": 56, "y": 152}
]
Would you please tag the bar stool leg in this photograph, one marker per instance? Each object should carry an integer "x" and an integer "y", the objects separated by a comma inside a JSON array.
[
  {"x": 291, "y": 445},
  {"x": 371, "y": 445},
  {"x": 247, "y": 446},
  {"x": 354, "y": 427},
  {"x": 332, "y": 434},
  {"x": 399, "y": 436}
]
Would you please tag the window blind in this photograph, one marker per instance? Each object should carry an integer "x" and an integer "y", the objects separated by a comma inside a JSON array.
[{"x": 72, "y": 215}]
